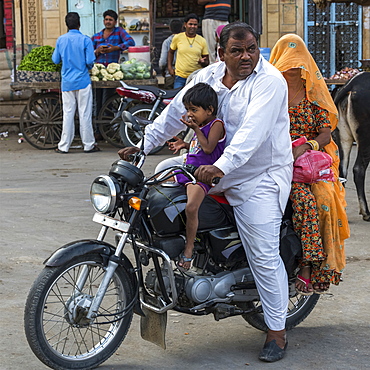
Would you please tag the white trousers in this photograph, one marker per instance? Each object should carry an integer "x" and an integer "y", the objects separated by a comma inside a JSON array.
[
  {"x": 83, "y": 100},
  {"x": 209, "y": 27},
  {"x": 258, "y": 221}
]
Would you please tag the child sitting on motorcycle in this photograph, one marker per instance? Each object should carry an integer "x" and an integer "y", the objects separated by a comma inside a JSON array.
[{"x": 206, "y": 147}]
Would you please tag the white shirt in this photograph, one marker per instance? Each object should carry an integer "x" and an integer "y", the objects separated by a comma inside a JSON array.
[{"x": 255, "y": 112}]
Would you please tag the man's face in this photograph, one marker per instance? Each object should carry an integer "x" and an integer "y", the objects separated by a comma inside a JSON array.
[
  {"x": 109, "y": 22},
  {"x": 240, "y": 56},
  {"x": 191, "y": 27}
]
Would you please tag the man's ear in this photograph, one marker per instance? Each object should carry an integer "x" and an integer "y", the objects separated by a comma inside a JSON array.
[{"x": 221, "y": 53}]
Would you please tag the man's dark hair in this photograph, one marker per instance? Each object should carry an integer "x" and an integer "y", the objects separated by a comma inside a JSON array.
[
  {"x": 176, "y": 26},
  {"x": 191, "y": 16},
  {"x": 201, "y": 95},
  {"x": 236, "y": 30},
  {"x": 73, "y": 21},
  {"x": 110, "y": 13}
]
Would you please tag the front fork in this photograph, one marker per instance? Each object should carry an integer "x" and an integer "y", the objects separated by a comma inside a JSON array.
[{"x": 93, "y": 311}]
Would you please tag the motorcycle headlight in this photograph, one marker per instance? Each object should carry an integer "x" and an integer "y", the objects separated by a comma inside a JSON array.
[{"x": 103, "y": 194}]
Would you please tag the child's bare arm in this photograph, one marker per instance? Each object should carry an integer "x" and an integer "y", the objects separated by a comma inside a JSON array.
[{"x": 216, "y": 132}]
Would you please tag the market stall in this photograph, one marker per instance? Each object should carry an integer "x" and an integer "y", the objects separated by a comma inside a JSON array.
[{"x": 41, "y": 120}]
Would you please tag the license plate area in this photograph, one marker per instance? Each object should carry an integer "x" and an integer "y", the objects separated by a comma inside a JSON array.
[{"x": 111, "y": 222}]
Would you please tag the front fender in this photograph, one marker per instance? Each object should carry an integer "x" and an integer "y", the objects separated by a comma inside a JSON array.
[{"x": 78, "y": 248}]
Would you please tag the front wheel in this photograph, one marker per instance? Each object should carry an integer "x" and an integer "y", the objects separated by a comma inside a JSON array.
[
  {"x": 56, "y": 326},
  {"x": 299, "y": 307}
]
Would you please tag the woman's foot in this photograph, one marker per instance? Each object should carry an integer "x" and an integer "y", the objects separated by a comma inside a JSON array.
[
  {"x": 321, "y": 288},
  {"x": 303, "y": 283}
]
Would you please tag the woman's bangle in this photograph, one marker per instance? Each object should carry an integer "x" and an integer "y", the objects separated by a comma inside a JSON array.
[{"x": 313, "y": 144}]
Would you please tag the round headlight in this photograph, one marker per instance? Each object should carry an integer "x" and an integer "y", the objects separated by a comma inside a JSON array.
[{"x": 103, "y": 194}]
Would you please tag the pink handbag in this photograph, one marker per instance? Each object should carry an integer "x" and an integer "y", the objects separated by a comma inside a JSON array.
[{"x": 312, "y": 166}]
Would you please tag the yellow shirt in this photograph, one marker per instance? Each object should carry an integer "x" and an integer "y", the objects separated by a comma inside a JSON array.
[{"x": 189, "y": 51}]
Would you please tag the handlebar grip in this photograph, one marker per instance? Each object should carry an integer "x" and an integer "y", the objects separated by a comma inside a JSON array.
[{"x": 130, "y": 157}]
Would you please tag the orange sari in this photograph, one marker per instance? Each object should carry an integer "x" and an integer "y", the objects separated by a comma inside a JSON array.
[{"x": 291, "y": 52}]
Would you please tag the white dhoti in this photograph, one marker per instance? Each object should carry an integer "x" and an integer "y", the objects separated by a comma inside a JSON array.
[{"x": 258, "y": 221}]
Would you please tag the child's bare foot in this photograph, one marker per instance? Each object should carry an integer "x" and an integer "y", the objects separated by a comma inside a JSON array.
[{"x": 185, "y": 261}]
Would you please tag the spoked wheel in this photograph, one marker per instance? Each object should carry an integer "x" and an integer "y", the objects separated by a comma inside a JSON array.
[
  {"x": 129, "y": 136},
  {"x": 55, "y": 320},
  {"x": 110, "y": 131},
  {"x": 41, "y": 121},
  {"x": 300, "y": 306}
]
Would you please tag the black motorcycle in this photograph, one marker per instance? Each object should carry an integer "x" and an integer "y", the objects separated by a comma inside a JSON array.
[{"x": 80, "y": 308}]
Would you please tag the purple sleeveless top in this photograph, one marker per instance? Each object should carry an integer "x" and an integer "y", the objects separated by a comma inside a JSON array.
[{"x": 197, "y": 157}]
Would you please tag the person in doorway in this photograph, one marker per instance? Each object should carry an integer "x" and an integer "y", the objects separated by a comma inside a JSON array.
[
  {"x": 319, "y": 216},
  {"x": 256, "y": 166},
  {"x": 175, "y": 27},
  {"x": 108, "y": 44},
  {"x": 216, "y": 14},
  {"x": 76, "y": 53},
  {"x": 205, "y": 147},
  {"x": 192, "y": 52}
]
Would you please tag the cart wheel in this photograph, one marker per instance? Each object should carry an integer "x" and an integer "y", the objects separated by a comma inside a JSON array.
[
  {"x": 110, "y": 131},
  {"x": 41, "y": 121}
]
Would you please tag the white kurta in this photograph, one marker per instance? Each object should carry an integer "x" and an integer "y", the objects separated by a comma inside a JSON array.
[{"x": 257, "y": 163}]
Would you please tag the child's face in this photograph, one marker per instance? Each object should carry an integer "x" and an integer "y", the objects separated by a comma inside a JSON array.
[{"x": 198, "y": 115}]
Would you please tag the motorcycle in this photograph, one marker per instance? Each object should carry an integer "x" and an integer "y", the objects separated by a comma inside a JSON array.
[
  {"x": 154, "y": 99},
  {"x": 80, "y": 308}
]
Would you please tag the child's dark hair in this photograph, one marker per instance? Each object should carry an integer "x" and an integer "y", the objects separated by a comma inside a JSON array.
[{"x": 201, "y": 95}]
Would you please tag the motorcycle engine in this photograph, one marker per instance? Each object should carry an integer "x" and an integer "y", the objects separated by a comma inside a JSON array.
[{"x": 201, "y": 289}]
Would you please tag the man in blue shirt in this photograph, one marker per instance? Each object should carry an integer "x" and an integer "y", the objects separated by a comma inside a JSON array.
[{"x": 76, "y": 53}]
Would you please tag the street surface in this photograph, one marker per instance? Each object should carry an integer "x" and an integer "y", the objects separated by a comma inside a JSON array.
[{"x": 45, "y": 204}]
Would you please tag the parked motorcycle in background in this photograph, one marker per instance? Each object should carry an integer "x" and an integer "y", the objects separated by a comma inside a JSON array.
[
  {"x": 80, "y": 308},
  {"x": 146, "y": 102}
]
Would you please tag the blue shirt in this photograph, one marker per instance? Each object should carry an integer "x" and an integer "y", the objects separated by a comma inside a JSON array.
[{"x": 76, "y": 53}]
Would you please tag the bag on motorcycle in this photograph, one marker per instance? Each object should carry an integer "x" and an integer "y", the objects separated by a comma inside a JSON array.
[{"x": 290, "y": 246}]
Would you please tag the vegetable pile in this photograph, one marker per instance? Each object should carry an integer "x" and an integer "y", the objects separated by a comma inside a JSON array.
[
  {"x": 39, "y": 59},
  {"x": 344, "y": 74},
  {"x": 130, "y": 70}
]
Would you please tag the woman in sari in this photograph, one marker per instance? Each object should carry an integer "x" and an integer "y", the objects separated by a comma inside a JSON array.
[{"x": 319, "y": 216}]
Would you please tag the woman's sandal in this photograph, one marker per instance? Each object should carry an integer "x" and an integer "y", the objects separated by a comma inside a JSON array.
[
  {"x": 322, "y": 288},
  {"x": 306, "y": 283}
]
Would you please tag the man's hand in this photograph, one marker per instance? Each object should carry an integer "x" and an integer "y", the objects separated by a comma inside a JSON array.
[
  {"x": 207, "y": 173},
  {"x": 125, "y": 153}
]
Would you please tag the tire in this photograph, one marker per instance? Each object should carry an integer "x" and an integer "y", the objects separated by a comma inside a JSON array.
[
  {"x": 41, "y": 121},
  {"x": 130, "y": 137},
  {"x": 53, "y": 333},
  {"x": 109, "y": 131},
  {"x": 299, "y": 308}
]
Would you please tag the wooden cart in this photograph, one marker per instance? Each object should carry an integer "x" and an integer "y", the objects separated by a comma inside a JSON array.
[{"x": 41, "y": 120}]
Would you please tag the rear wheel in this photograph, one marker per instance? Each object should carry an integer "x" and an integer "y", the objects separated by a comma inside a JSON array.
[
  {"x": 110, "y": 131},
  {"x": 299, "y": 308},
  {"x": 56, "y": 326}
]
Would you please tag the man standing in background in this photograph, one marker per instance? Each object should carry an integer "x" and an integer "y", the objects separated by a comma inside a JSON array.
[
  {"x": 76, "y": 53},
  {"x": 192, "y": 52},
  {"x": 216, "y": 14},
  {"x": 175, "y": 27}
]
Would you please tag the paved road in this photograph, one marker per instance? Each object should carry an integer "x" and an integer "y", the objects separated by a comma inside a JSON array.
[{"x": 45, "y": 204}]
